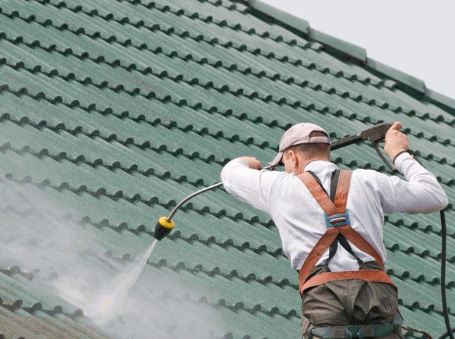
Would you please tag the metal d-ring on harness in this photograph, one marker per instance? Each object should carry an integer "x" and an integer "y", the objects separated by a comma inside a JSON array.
[{"x": 375, "y": 135}]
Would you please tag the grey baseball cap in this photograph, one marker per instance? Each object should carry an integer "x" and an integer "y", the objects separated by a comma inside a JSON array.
[{"x": 299, "y": 134}]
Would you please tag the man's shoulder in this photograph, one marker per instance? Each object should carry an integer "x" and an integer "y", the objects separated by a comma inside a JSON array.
[
  {"x": 368, "y": 176},
  {"x": 366, "y": 172}
]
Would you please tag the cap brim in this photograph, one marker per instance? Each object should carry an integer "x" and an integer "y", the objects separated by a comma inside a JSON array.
[{"x": 277, "y": 160}]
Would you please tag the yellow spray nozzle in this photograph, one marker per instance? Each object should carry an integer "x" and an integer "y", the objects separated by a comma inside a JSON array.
[
  {"x": 163, "y": 227},
  {"x": 166, "y": 223}
]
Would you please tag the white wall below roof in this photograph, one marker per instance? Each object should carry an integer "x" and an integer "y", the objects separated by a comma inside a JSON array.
[{"x": 411, "y": 36}]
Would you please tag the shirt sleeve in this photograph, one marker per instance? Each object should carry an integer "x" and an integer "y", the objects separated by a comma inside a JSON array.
[
  {"x": 251, "y": 186},
  {"x": 420, "y": 193}
]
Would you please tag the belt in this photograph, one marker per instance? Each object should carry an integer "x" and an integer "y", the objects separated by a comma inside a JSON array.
[{"x": 352, "y": 331}]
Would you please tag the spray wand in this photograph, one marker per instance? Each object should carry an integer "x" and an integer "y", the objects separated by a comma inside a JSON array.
[{"x": 375, "y": 134}]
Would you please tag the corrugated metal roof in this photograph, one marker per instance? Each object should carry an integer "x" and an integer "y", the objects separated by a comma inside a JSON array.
[{"x": 111, "y": 112}]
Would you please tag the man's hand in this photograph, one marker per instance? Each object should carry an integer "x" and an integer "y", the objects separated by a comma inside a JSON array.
[
  {"x": 253, "y": 163},
  {"x": 395, "y": 141}
]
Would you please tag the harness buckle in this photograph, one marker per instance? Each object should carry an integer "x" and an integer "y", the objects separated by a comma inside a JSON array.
[
  {"x": 352, "y": 331},
  {"x": 337, "y": 219}
]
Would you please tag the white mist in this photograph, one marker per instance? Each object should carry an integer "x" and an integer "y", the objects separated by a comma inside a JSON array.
[{"x": 68, "y": 260}]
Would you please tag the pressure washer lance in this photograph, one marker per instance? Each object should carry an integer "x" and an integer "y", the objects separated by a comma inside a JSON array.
[{"x": 375, "y": 134}]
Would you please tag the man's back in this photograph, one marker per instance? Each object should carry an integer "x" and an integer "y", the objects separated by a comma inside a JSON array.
[{"x": 300, "y": 220}]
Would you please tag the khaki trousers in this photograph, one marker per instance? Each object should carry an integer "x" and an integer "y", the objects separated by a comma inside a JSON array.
[{"x": 350, "y": 302}]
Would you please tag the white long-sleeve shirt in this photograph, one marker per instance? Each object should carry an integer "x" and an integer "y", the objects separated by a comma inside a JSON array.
[{"x": 300, "y": 220}]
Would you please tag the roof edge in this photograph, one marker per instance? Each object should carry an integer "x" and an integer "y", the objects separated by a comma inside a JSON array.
[
  {"x": 304, "y": 27},
  {"x": 351, "y": 50},
  {"x": 441, "y": 98},
  {"x": 339, "y": 44},
  {"x": 409, "y": 80},
  {"x": 288, "y": 19}
]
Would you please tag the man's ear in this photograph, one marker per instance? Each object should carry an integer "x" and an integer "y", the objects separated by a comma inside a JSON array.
[{"x": 294, "y": 158}]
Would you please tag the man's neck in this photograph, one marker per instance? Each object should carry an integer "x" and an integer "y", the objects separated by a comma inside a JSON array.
[{"x": 306, "y": 163}]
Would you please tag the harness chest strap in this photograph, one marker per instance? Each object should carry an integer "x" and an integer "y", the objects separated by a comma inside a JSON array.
[{"x": 333, "y": 209}]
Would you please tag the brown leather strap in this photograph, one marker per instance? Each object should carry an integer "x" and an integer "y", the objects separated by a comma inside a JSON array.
[
  {"x": 366, "y": 275},
  {"x": 318, "y": 193},
  {"x": 341, "y": 196},
  {"x": 355, "y": 238},
  {"x": 316, "y": 253}
]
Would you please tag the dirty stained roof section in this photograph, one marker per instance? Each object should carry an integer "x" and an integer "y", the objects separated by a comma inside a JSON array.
[{"x": 114, "y": 111}]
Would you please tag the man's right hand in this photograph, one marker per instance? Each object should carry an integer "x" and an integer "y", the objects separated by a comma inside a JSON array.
[
  {"x": 253, "y": 163},
  {"x": 395, "y": 141}
]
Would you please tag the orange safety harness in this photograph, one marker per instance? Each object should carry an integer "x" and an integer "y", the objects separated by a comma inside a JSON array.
[{"x": 338, "y": 231}]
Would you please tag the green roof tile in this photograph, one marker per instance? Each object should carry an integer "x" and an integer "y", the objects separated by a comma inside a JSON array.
[{"x": 117, "y": 110}]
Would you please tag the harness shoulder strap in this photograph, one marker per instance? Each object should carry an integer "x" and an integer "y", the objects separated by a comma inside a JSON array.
[
  {"x": 339, "y": 225},
  {"x": 318, "y": 193},
  {"x": 341, "y": 196},
  {"x": 340, "y": 238}
]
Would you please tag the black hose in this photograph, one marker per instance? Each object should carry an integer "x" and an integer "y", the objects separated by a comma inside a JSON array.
[
  {"x": 447, "y": 334},
  {"x": 443, "y": 278},
  {"x": 191, "y": 196}
]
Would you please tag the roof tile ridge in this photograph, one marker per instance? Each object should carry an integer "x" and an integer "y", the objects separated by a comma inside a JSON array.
[
  {"x": 169, "y": 205},
  {"x": 431, "y": 94},
  {"x": 166, "y": 32},
  {"x": 416, "y": 277},
  {"x": 163, "y": 148},
  {"x": 422, "y": 254},
  {"x": 415, "y": 225},
  {"x": 331, "y": 90},
  {"x": 226, "y": 244},
  {"x": 209, "y": 19},
  {"x": 134, "y": 92},
  {"x": 240, "y": 305},
  {"x": 43, "y": 124},
  {"x": 128, "y": 141},
  {"x": 116, "y": 165},
  {"x": 18, "y": 304},
  {"x": 157, "y": 27},
  {"x": 227, "y": 4},
  {"x": 269, "y": 280},
  {"x": 217, "y": 272},
  {"x": 131, "y": 140},
  {"x": 416, "y": 305}
]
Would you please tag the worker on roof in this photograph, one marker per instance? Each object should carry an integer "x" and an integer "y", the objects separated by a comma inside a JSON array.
[{"x": 315, "y": 207}]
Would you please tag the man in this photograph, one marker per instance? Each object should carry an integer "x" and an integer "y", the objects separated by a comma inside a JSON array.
[{"x": 292, "y": 198}]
